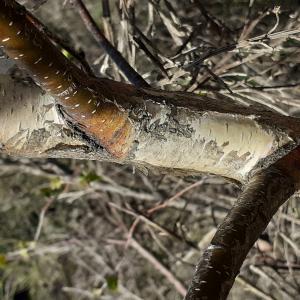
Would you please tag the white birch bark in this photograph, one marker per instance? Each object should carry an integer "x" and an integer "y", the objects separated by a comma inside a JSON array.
[{"x": 168, "y": 136}]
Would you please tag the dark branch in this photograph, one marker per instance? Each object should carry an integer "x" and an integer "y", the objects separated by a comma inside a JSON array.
[
  {"x": 113, "y": 53},
  {"x": 220, "y": 264},
  {"x": 78, "y": 55}
]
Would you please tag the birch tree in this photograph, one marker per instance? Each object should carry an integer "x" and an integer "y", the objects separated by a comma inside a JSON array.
[{"x": 72, "y": 114}]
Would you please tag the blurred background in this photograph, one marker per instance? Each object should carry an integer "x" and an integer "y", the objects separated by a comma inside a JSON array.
[{"x": 94, "y": 230}]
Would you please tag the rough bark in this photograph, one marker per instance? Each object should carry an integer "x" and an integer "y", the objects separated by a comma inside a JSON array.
[
  {"x": 166, "y": 135},
  {"x": 148, "y": 127}
]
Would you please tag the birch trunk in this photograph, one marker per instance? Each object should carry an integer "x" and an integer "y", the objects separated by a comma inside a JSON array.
[
  {"x": 113, "y": 120},
  {"x": 179, "y": 131}
]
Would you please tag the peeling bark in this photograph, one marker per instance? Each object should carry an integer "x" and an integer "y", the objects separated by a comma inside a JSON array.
[
  {"x": 183, "y": 131},
  {"x": 189, "y": 139}
]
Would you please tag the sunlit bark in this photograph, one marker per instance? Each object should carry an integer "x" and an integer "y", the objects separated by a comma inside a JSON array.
[
  {"x": 183, "y": 131},
  {"x": 87, "y": 118}
]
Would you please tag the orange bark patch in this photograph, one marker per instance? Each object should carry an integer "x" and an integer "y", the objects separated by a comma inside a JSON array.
[
  {"x": 84, "y": 105},
  {"x": 112, "y": 128}
]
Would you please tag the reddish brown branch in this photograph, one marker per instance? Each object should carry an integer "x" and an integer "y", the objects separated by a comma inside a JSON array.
[
  {"x": 85, "y": 102},
  {"x": 221, "y": 262},
  {"x": 78, "y": 55}
]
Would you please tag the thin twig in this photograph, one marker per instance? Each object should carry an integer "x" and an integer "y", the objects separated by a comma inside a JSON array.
[
  {"x": 217, "y": 25},
  {"x": 42, "y": 217},
  {"x": 114, "y": 54},
  {"x": 254, "y": 290},
  {"x": 243, "y": 44},
  {"x": 162, "y": 269},
  {"x": 153, "y": 224},
  {"x": 177, "y": 195}
]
